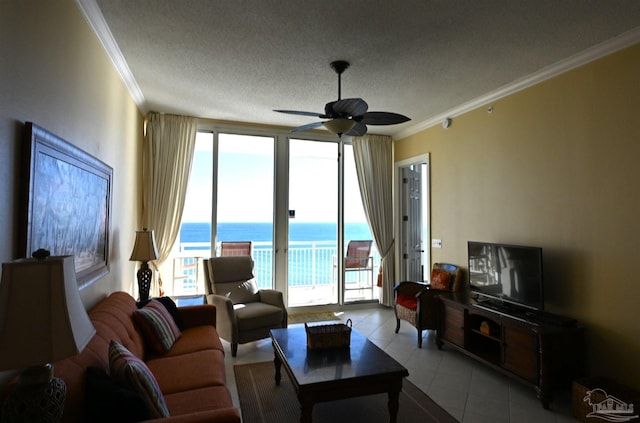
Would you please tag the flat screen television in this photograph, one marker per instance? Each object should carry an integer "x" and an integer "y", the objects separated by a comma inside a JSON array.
[{"x": 508, "y": 273}]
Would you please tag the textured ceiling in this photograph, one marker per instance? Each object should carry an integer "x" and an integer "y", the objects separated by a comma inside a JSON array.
[{"x": 239, "y": 60}]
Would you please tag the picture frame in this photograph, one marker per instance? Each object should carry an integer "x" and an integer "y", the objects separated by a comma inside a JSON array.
[{"x": 66, "y": 203}]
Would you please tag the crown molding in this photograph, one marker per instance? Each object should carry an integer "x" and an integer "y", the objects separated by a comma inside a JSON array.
[
  {"x": 626, "y": 39},
  {"x": 94, "y": 17}
]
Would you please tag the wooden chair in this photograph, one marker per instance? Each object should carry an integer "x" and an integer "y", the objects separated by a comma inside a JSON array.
[
  {"x": 236, "y": 248},
  {"x": 244, "y": 313},
  {"x": 417, "y": 302}
]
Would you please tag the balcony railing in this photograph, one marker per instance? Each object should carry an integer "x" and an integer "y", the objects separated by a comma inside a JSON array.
[{"x": 311, "y": 264}]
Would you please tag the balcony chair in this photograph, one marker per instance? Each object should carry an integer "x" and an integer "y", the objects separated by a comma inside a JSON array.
[
  {"x": 236, "y": 248},
  {"x": 417, "y": 302},
  {"x": 359, "y": 259},
  {"x": 244, "y": 313}
]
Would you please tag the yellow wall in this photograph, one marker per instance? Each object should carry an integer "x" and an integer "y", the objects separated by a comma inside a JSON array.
[
  {"x": 56, "y": 74},
  {"x": 556, "y": 166}
]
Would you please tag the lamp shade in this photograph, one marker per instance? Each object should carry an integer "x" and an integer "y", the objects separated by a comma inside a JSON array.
[
  {"x": 339, "y": 126},
  {"x": 144, "y": 248},
  {"x": 42, "y": 318}
]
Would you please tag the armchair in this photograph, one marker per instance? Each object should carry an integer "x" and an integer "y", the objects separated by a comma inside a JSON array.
[
  {"x": 417, "y": 302},
  {"x": 244, "y": 313}
]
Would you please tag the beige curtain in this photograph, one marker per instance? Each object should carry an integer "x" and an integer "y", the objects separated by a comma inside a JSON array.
[
  {"x": 166, "y": 160},
  {"x": 374, "y": 166}
]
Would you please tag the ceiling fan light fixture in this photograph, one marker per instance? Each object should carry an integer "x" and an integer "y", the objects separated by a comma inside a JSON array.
[{"x": 339, "y": 126}]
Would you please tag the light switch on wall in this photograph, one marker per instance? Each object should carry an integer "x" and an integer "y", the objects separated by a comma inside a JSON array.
[{"x": 436, "y": 243}]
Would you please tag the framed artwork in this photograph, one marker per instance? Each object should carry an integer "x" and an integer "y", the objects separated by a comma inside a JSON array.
[{"x": 67, "y": 203}]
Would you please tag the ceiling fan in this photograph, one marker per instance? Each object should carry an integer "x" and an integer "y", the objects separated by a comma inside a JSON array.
[{"x": 347, "y": 116}]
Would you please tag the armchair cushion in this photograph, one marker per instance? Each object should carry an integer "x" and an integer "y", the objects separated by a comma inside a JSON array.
[
  {"x": 407, "y": 301},
  {"x": 256, "y": 315},
  {"x": 239, "y": 292}
]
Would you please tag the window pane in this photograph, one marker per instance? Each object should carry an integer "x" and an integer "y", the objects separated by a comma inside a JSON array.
[
  {"x": 245, "y": 198},
  {"x": 313, "y": 197},
  {"x": 194, "y": 241}
]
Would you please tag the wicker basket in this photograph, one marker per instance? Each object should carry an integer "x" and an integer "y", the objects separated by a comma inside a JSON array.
[{"x": 328, "y": 336}]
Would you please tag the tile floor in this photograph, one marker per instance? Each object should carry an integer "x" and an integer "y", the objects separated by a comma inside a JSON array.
[{"x": 468, "y": 390}]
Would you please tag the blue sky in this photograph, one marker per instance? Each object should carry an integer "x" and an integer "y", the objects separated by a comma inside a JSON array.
[{"x": 245, "y": 192}]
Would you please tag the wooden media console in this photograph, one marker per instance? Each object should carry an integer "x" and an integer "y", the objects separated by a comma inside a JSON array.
[{"x": 542, "y": 350}]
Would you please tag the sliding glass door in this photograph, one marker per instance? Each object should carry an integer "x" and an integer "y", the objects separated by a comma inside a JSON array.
[
  {"x": 244, "y": 206},
  {"x": 296, "y": 201},
  {"x": 313, "y": 220}
]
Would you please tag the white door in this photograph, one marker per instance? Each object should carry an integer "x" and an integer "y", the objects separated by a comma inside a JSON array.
[{"x": 413, "y": 220}]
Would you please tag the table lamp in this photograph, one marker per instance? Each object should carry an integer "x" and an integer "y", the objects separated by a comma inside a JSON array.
[
  {"x": 42, "y": 320},
  {"x": 144, "y": 250}
]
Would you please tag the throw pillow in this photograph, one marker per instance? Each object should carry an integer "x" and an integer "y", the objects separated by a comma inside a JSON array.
[
  {"x": 240, "y": 292},
  {"x": 132, "y": 372},
  {"x": 440, "y": 279},
  {"x": 172, "y": 308},
  {"x": 158, "y": 328},
  {"x": 106, "y": 401}
]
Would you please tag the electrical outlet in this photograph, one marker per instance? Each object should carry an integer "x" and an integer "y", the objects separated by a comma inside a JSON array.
[{"x": 436, "y": 243}]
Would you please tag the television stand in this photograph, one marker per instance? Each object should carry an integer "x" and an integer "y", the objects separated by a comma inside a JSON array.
[{"x": 539, "y": 349}]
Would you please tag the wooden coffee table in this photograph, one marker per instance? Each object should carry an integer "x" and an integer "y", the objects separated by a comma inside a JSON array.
[{"x": 335, "y": 374}]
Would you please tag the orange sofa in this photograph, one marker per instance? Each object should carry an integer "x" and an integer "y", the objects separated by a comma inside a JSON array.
[{"x": 191, "y": 375}]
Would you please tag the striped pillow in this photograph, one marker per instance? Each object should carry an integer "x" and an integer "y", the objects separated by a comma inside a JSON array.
[
  {"x": 130, "y": 371},
  {"x": 158, "y": 328}
]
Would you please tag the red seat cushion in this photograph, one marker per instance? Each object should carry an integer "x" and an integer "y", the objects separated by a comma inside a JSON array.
[{"x": 408, "y": 301}]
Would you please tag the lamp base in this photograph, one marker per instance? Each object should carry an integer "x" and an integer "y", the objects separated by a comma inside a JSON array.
[
  {"x": 38, "y": 397},
  {"x": 144, "y": 282}
]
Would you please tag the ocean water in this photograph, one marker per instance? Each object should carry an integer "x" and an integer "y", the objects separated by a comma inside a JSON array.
[
  {"x": 311, "y": 256},
  {"x": 263, "y": 232}
]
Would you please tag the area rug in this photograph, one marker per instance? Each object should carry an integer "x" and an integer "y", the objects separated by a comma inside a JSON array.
[
  {"x": 316, "y": 316},
  {"x": 262, "y": 401}
]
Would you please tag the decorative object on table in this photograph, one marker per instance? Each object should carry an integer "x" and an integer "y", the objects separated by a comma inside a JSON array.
[
  {"x": 42, "y": 320},
  {"x": 329, "y": 336},
  {"x": 80, "y": 182},
  {"x": 144, "y": 250},
  {"x": 484, "y": 328}
]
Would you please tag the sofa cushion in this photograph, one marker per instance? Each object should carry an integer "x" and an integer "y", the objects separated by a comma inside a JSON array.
[
  {"x": 189, "y": 371},
  {"x": 257, "y": 315},
  {"x": 107, "y": 401},
  {"x": 132, "y": 372},
  {"x": 157, "y": 326},
  {"x": 198, "y": 400},
  {"x": 194, "y": 339}
]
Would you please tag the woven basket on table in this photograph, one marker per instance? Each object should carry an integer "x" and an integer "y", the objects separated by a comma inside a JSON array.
[{"x": 328, "y": 336}]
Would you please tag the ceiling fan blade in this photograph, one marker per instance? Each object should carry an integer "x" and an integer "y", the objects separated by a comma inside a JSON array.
[
  {"x": 358, "y": 130},
  {"x": 383, "y": 118},
  {"x": 308, "y": 126},
  {"x": 297, "y": 112},
  {"x": 350, "y": 107}
]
